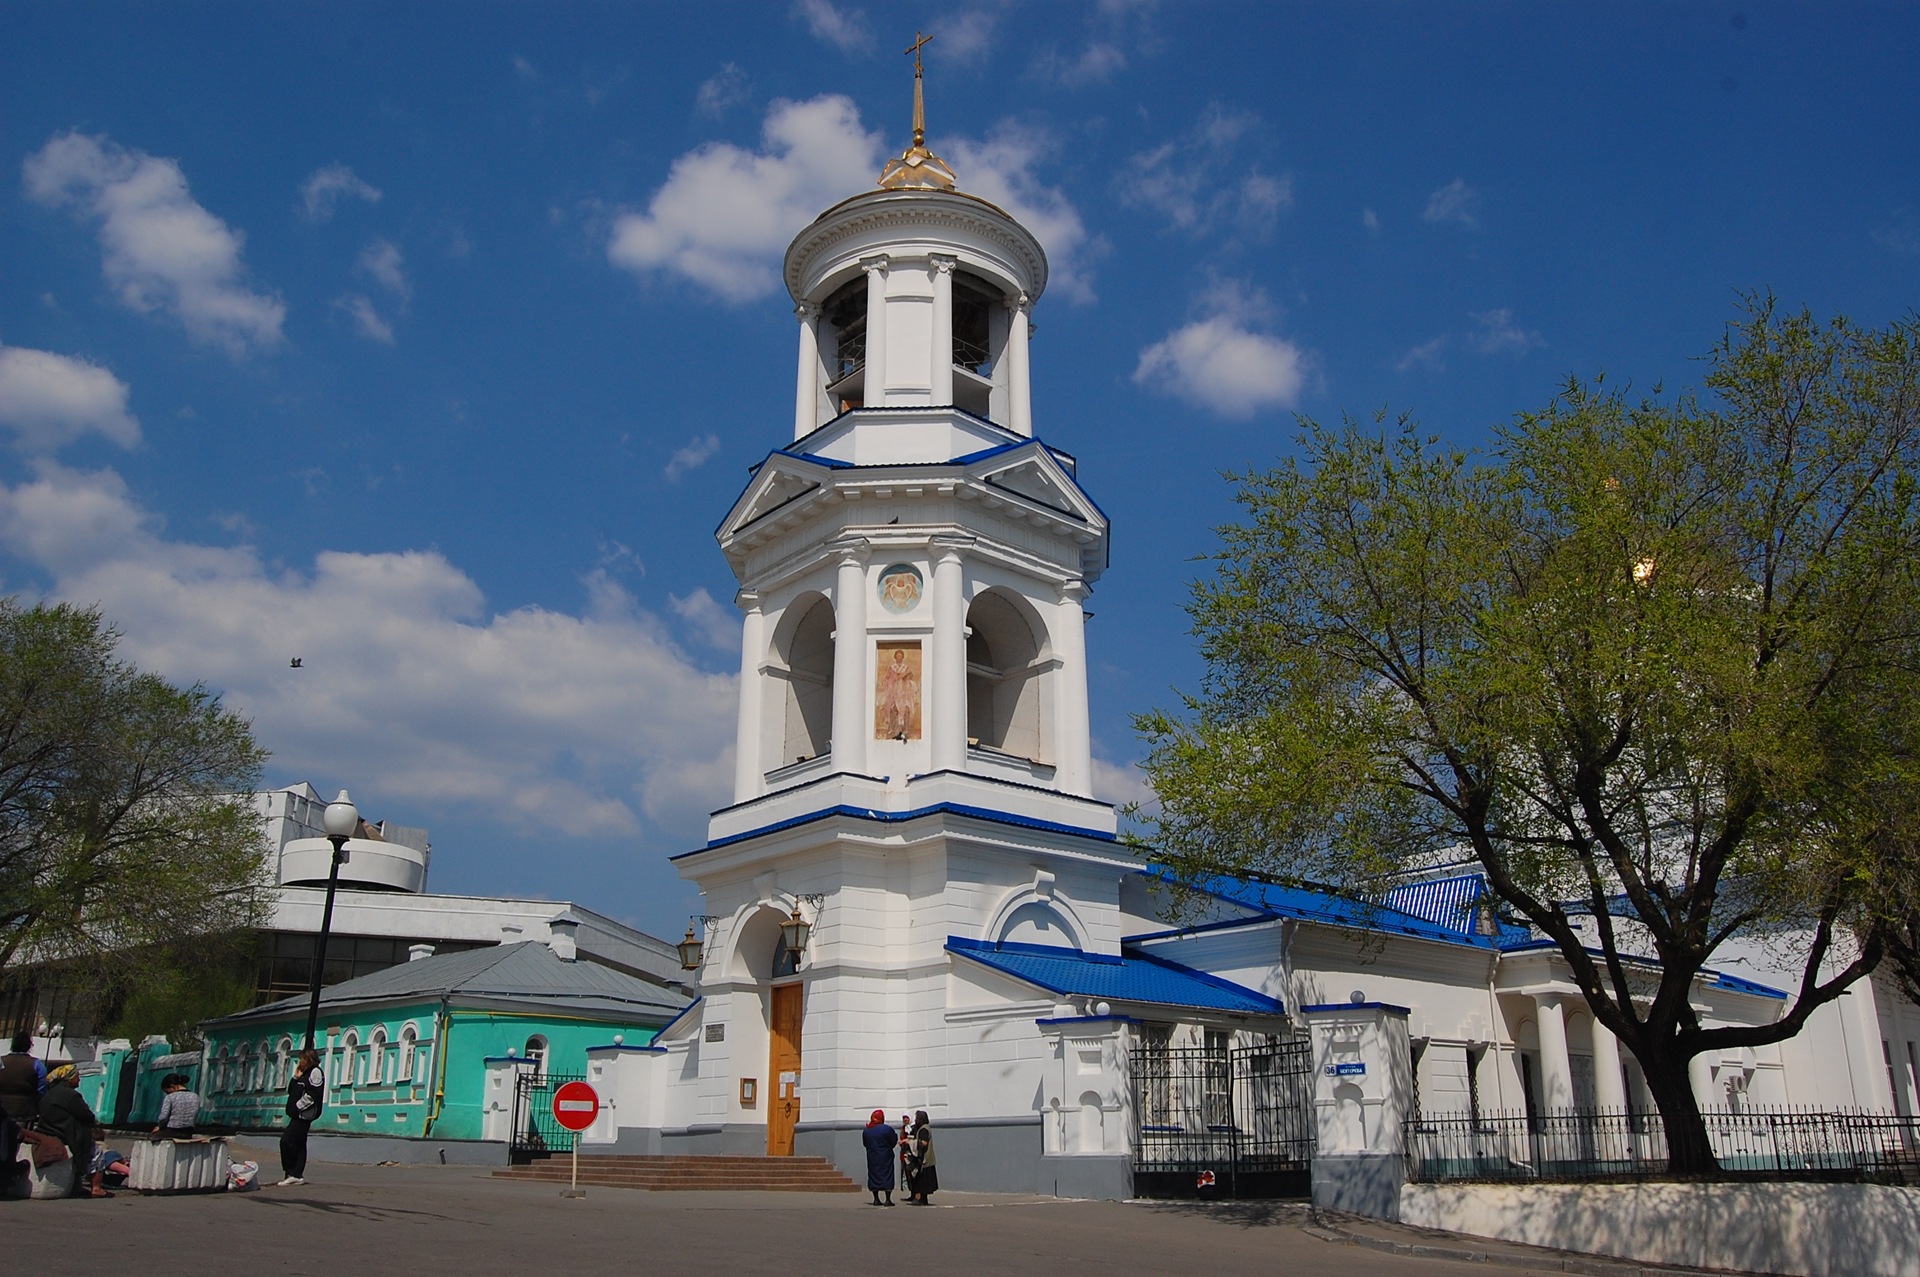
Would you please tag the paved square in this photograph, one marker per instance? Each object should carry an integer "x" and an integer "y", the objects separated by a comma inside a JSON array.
[{"x": 459, "y": 1219}]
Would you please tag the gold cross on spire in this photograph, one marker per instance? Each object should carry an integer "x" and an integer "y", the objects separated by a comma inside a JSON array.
[{"x": 919, "y": 99}]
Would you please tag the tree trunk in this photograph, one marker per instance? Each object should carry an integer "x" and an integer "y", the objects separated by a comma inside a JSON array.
[{"x": 1689, "y": 1151}]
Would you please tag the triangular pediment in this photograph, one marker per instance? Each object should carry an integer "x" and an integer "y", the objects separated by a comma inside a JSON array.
[
  {"x": 780, "y": 481},
  {"x": 1033, "y": 472}
]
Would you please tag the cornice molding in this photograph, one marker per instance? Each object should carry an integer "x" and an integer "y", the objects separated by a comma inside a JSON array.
[{"x": 921, "y": 211}]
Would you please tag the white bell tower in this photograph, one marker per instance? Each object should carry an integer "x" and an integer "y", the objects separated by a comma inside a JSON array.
[
  {"x": 913, "y": 566},
  {"x": 914, "y": 766}
]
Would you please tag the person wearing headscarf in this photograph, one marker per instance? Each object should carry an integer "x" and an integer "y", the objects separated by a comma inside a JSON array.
[
  {"x": 926, "y": 1180},
  {"x": 66, "y": 1116},
  {"x": 879, "y": 1139}
]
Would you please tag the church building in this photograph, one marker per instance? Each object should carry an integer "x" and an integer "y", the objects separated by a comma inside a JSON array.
[{"x": 916, "y": 902}]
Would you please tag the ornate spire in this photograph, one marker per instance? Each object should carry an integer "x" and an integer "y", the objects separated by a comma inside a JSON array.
[{"x": 918, "y": 168}]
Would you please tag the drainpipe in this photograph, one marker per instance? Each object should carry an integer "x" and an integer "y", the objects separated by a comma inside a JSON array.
[{"x": 441, "y": 1036}]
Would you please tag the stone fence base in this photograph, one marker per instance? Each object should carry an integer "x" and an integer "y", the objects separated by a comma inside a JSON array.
[{"x": 1799, "y": 1230}]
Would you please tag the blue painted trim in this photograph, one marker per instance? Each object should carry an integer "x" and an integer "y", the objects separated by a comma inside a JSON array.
[
  {"x": 1354, "y": 1006},
  {"x": 1089, "y": 1019},
  {"x": 896, "y": 817},
  {"x": 1740, "y": 984},
  {"x": 638, "y": 1050},
  {"x": 684, "y": 1013},
  {"x": 501, "y": 1059},
  {"x": 1259, "y": 919}
]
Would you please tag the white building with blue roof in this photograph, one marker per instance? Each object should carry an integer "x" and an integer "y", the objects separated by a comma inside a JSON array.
[{"x": 915, "y": 902}]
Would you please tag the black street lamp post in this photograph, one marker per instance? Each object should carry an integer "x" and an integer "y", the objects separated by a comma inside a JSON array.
[{"x": 340, "y": 822}]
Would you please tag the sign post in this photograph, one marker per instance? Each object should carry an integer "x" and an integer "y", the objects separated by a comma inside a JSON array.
[{"x": 575, "y": 1105}]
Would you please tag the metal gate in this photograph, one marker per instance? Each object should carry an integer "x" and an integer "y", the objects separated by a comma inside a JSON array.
[
  {"x": 1237, "y": 1121},
  {"x": 536, "y": 1133}
]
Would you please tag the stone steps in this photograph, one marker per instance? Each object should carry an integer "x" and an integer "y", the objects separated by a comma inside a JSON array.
[{"x": 680, "y": 1173}]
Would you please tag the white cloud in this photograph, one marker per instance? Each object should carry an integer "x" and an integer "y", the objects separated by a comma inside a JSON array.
[
  {"x": 1455, "y": 202},
  {"x": 381, "y": 259},
  {"x": 719, "y": 626},
  {"x": 727, "y": 87},
  {"x": 1899, "y": 233},
  {"x": 725, "y": 213},
  {"x": 575, "y": 724},
  {"x": 966, "y": 37},
  {"x": 1494, "y": 331},
  {"x": 326, "y": 187},
  {"x": 366, "y": 319},
  {"x": 161, "y": 249},
  {"x": 844, "y": 28},
  {"x": 1222, "y": 361},
  {"x": 1369, "y": 219},
  {"x": 1204, "y": 179},
  {"x": 50, "y": 400},
  {"x": 691, "y": 457},
  {"x": 1428, "y": 355},
  {"x": 1096, "y": 64},
  {"x": 1001, "y": 169},
  {"x": 1120, "y": 783},
  {"x": 524, "y": 69}
]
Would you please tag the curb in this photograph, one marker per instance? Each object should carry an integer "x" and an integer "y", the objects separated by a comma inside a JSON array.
[{"x": 1331, "y": 1230}]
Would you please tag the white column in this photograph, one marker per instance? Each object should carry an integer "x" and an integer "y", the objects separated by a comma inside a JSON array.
[
  {"x": 876, "y": 392},
  {"x": 851, "y": 726},
  {"x": 948, "y": 721},
  {"x": 806, "y": 399},
  {"x": 1019, "y": 385},
  {"x": 1700, "y": 1077},
  {"x": 1556, "y": 1072},
  {"x": 747, "y": 774},
  {"x": 1073, "y": 734},
  {"x": 942, "y": 329},
  {"x": 1609, "y": 1083}
]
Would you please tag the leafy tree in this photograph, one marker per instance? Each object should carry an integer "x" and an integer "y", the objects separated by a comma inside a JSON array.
[
  {"x": 1652, "y": 661},
  {"x": 124, "y": 816}
]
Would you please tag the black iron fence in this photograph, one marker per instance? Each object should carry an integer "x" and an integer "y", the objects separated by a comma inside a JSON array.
[
  {"x": 1597, "y": 1144},
  {"x": 536, "y": 1133},
  {"x": 1238, "y": 1121}
]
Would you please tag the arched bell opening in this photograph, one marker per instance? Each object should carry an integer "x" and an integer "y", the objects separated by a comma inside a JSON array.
[
  {"x": 979, "y": 346},
  {"x": 843, "y": 344},
  {"x": 1008, "y": 678},
  {"x": 802, "y": 681}
]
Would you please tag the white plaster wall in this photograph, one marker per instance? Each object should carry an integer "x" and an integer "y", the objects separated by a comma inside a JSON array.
[{"x": 1804, "y": 1230}]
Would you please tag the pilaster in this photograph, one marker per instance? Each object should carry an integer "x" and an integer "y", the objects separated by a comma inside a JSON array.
[{"x": 850, "y": 673}]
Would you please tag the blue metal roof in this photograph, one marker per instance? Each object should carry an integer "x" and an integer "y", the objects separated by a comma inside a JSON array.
[
  {"x": 1130, "y": 977},
  {"x": 1451, "y": 903},
  {"x": 1310, "y": 904}
]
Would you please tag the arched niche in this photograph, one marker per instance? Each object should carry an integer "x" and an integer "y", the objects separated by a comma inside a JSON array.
[
  {"x": 1009, "y": 681},
  {"x": 1033, "y": 915},
  {"x": 755, "y": 949},
  {"x": 802, "y": 680}
]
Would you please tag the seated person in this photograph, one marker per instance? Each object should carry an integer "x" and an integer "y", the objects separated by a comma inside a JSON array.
[
  {"x": 64, "y": 1115},
  {"x": 177, "y": 1110}
]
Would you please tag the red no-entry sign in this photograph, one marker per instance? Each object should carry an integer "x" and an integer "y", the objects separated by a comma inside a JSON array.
[{"x": 575, "y": 1105}]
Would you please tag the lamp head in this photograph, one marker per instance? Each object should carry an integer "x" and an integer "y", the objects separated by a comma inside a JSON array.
[
  {"x": 342, "y": 817},
  {"x": 690, "y": 951}
]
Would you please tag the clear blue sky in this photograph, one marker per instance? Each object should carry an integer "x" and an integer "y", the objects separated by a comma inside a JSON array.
[{"x": 429, "y": 342}]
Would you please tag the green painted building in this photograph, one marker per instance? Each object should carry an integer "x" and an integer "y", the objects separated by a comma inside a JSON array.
[{"x": 406, "y": 1050}]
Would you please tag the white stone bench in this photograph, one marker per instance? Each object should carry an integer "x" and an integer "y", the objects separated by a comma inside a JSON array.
[{"x": 197, "y": 1165}]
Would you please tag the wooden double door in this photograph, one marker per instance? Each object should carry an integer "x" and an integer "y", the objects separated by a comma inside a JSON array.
[{"x": 783, "y": 1068}]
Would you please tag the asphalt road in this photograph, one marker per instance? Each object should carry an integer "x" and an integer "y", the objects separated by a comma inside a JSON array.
[{"x": 417, "y": 1219}]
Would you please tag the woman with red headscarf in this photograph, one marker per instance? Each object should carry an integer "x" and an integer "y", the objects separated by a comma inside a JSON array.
[{"x": 880, "y": 1139}]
